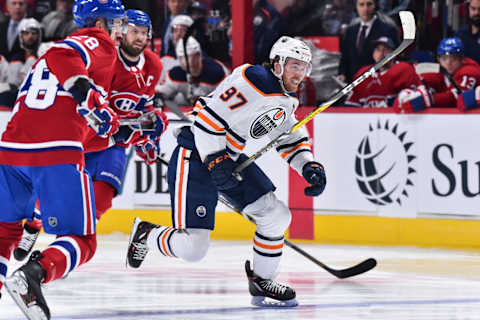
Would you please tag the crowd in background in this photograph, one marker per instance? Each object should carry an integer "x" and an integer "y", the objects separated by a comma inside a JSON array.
[{"x": 367, "y": 30}]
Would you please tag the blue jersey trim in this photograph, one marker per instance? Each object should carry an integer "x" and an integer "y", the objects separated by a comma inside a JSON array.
[
  {"x": 263, "y": 79},
  {"x": 77, "y": 48},
  {"x": 40, "y": 149}
]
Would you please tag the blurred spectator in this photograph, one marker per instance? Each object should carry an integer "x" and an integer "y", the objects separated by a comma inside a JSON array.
[
  {"x": 268, "y": 26},
  {"x": 204, "y": 75},
  {"x": 9, "y": 42},
  {"x": 469, "y": 34},
  {"x": 175, "y": 7},
  {"x": 216, "y": 42},
  {"x": 391, "y": 7},
  {"x": 381, "y": 89},
  {"x": 356, "y": 46},
  {"x": 14, "y": 72},
  {"x": 319, "y": 18},
  {"x": 456, "y": 74},
  {"x": 59, "y": 24},
  {"x": 40, "y": 8},
  {"x": 336, "y": 16},
  {"x": 179, "y": 27}
]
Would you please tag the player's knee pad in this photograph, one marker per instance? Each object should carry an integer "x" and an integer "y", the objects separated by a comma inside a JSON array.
[
  {"x": 195, "y": 244},
  {"x": 104, "y": 193},
  {"x": 271, "y": 215}
]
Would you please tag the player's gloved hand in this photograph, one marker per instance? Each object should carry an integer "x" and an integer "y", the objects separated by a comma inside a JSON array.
[
  {"x": 314, "y": 174},
  {"x": 221, "y": 168},
  {"x": 409, "y": 100},
  {"x": 160, "y": 124},
  {"x": 468, "y": 99},
  {"x": 99, "y": 116},
  {"x": 148, "y": 149}
]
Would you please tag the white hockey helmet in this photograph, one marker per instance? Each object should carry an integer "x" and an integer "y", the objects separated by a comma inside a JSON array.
[
  {"x": 193, "y": 46},
  {"x": 182, "y": 20},
  {"x": 30, "y": 24},
  {"x": 288, "y": 47}
]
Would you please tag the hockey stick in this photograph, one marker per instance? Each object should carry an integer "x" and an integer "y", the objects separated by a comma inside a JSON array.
[
  {"x": 147, "y": 124},
  {"x": 408, "y": 27},
  {"x": 360, "y": 268}
]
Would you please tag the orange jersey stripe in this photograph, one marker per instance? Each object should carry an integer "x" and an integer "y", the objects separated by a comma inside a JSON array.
[
  {"x": 233, "y": 143},
  {"x": 180, "y": 189},
  {"x": 210, "y": 122},
  {"x": 305, "y": 144}
]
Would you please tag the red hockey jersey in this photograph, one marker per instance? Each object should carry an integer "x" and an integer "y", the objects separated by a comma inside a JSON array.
[
  {"x": 444, "y": 92},
  {"x": 132, "y": 89},
  {"x": 382, "y": 89},
  {"x": 45, "y": 128}
]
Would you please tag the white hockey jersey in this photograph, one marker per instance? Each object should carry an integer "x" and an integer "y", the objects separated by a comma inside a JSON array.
[{"x": 249, "y": 104}]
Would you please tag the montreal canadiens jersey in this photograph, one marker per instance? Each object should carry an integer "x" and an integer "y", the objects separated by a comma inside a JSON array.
[
  {"x": 381, "y": 89},
  {"x": 45, "y": 128},
  {"x": 176, "y": 88},
  {"x": 132, "y": 90},
  {"x": 444, "y": 91},
  {"x": 249, "y": 104}
]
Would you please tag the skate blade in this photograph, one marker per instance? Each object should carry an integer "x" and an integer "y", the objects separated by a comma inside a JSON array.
[
  {"x": 136, "y": 222},
  {"x": 16, "y": 287},
  {"x": 265, "y": 302}
]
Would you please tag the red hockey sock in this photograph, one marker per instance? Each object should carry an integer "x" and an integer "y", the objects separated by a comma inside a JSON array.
[
  {"x": 65, "y": 254},
  {"x": 10, "y": 235},
  {"x": 104, "y": 193}
]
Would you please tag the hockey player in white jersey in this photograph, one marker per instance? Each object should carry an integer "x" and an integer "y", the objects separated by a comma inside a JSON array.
[{"x": 252, "y": 102}]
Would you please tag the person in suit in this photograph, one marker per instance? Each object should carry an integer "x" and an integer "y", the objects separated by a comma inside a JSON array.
[
  {"x": 356, "y": 46},
  {"x": 9, "y": 29}
]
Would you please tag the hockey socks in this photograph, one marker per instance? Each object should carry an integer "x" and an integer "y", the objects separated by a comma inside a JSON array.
[
  {"x": 267, "y": 252},
  {"x": 10, "y": 235},
  {"x": 161, "y": 238},
  {"x": 65, "y": 254}
]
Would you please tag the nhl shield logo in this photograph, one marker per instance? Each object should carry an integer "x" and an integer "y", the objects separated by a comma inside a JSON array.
[{"x": 52, "y": 221}]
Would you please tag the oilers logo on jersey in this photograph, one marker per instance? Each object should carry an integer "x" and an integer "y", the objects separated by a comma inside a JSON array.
[{"x": 267, "y": 121}]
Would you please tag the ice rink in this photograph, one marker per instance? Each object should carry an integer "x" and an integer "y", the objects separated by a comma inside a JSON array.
[{"x": 408, "y": 283}]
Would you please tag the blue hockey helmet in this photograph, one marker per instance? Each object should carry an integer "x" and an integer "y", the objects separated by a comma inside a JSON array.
[
  {"x": 450, "y": 46},
  {"x": 140, "y": 18},
  {"x": 86, "y": 11}
]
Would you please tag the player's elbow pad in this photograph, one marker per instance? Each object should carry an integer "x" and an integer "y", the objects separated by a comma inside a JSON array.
[{"x": 79, "y": 89}]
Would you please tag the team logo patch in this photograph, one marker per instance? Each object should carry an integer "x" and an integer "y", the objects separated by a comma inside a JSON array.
[
  {"x": 52, "y": 221},
  {"x": 125, "y": 101},
  {"x": 267, "y": 122},
  {"x": 201, "y": 211}
]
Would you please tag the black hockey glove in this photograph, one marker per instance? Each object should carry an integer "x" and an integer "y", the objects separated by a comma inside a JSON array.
[
  {"x": 314, "y": 173},
  {"x": 221, "y": 167}
]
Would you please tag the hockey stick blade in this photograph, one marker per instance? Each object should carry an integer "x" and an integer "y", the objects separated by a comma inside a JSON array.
[
  {"x": 360, "y": 268},
  {"x": 408, "y": 28}
]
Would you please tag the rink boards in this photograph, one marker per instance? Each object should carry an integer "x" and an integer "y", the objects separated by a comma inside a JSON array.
[{"x": 392, "y": 179}]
